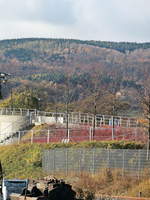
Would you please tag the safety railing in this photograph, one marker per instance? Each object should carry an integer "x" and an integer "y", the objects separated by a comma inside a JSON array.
[{"x": 72, "y": 117}]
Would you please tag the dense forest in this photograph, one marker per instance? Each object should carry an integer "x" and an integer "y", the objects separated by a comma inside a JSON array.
[{"x": 50, "y": 73}]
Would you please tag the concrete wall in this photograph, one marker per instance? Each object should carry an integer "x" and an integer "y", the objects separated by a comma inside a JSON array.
[
  {"x": 10, "y": 124},
  {"x": 47, "y": 120}
]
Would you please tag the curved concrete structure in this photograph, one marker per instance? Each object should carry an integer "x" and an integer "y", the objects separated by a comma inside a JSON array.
[{"x": 10, "y": 124}]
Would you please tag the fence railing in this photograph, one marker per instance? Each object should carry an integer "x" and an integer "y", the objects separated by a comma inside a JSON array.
[
  {"x": 76, "y": 135},
  {"x": 16, "y": 111},
  {"x": 94, "y": 160},
  {"x": 73, "y": 117},
  {"x": 86, "y": 119}
]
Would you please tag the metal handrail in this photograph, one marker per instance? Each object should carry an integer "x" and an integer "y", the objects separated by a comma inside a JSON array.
[{"x": 74, "y": 117}]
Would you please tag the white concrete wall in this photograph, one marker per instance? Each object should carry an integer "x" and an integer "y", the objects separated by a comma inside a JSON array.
[
  {"x": 48, "y": 120},
  {"x": 9, "y": 124}
]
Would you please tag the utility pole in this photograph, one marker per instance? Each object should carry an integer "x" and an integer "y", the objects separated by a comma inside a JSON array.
[
  {"x": 67, "y": 108},
  {"x": 95, "y": 112},
  {"x": 56, "y": 114},
  {"x": 67, "y": 120},
  {"x": 117, "y": 95},
  {"x": 113, "y": 122}
]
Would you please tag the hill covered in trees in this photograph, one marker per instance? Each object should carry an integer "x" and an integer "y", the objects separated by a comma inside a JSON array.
[{"x": 55, "y": 72}]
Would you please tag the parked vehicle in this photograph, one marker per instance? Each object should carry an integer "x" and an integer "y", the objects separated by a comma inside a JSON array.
[{"x": 10, "y": 186}]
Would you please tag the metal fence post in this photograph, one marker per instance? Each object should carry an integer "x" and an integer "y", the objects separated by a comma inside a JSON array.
[
  {"x": 54, "y": 160},
  {"x": 90, "y": 134},
  {"x": 108, "y": 158},
  {"x": 123, "y": 129},
  {"x": 113, "y": 128},
  {"x": 135, "y": 133},
  {"x": 31, "y": 136},
  {"x": 93, "y": 159},
  {"x": 48, "y": 134},
  {"x": 139, "y": 163},
  {"x": 30, "y": 117},
  {"x": 68, "y": 134},
  {"x": 123, "y": 162},
  {"x": 66, "y": 161},
  {"x": 92, "y": 131},
  {"x": 19, "y": 137},
  {"x": 79, "y": 162}
]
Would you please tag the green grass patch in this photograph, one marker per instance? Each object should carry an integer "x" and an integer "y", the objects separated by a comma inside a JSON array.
[{"x": 25, "y": 160}]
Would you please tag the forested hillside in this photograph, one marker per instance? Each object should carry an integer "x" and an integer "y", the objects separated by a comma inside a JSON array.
[{"x": 49, "y": 73}]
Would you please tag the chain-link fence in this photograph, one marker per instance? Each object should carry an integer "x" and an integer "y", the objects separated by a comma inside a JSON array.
[
  {"x": 95, "y": 159},
  {"x": 77, "y": 135}
]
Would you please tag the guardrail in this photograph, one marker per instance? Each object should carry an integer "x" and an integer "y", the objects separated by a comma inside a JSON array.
[
  {"x": 16, "y": 111},
  {"x": 86, "y": 119},
  {"x": 72, "y": 117}
]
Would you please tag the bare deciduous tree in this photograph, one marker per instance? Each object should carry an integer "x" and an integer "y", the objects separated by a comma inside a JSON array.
[{"x": 144, "y": 100}]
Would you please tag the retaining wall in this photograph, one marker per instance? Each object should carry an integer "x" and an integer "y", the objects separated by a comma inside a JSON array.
[{"x": 10, "y": 124}]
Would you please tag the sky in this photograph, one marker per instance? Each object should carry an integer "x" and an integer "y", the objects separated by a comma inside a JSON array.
[{"x": 105, "y": 20}]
